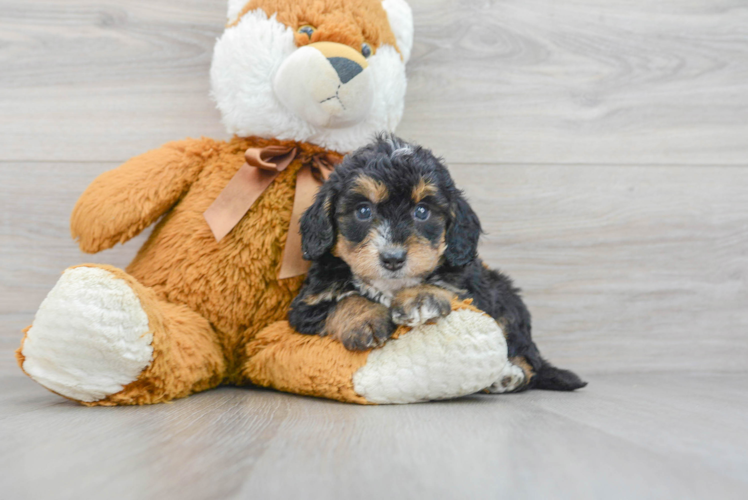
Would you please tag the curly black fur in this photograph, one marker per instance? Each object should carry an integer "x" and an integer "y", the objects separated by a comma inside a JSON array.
[{"x": 400, "y": 166}]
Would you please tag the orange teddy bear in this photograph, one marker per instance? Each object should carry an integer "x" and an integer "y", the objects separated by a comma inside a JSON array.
[{"x": 299, "y": 83}]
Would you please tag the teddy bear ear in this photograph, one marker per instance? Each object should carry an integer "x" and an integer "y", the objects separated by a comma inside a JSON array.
[
  {"x": 401, "y": 21},
  {"x": 235, "y": 8}
]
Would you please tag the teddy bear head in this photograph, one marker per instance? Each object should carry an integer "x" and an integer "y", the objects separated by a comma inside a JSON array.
[{"x": 328, "y": 72}]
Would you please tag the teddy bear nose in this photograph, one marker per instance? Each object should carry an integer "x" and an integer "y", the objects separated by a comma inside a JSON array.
[
  {"x": 393, "y": 259},
  {"x": 345, "y": 68},
  {"x": 326, "y": 84},
  {"x": 346, "y": 62}
]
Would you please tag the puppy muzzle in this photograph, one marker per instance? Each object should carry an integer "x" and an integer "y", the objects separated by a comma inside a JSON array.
[
  {"x": 326, "y": 84},
  {"x": 393, "y": 259}
]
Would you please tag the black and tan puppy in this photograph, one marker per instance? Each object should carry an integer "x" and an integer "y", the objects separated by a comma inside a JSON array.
[{"x": 393, "y": 241}]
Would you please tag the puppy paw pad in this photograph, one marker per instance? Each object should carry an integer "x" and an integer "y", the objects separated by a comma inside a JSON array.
[{"x": 510, "y": 379}]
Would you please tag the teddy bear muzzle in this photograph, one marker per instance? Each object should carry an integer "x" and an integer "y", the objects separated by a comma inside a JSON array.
[{"x": 327, "y": 84}]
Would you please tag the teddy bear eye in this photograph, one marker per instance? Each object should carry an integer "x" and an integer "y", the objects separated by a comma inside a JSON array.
[
  {"x": 365, "y": 50},
  {"x": 307, "y": 30}
]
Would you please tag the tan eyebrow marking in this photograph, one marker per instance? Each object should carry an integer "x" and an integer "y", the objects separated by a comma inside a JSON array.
[
  {"x": 422, "y": 190},
  {"x": 373, "y": 189}
]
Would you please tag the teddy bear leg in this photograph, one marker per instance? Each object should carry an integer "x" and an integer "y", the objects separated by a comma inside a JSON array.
[
  {"x": 102, "y": 338},
  {"x": 460, "y": 354}
]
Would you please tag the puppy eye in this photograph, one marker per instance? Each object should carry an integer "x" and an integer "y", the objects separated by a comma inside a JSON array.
[
  {"x": 366, "y": 50},
  {"x": 307, "y": 30},
  {"x": 363, "y": 212},
  {"x": 421, "y": 213}
]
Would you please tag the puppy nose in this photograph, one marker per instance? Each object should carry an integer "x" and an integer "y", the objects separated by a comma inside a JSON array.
[
  {"x": 345, "y": 68},
  {"x": 393, "y": 259}
]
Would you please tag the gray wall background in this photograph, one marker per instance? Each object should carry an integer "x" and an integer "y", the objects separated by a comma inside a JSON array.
[{"x": 604, "y": 145}]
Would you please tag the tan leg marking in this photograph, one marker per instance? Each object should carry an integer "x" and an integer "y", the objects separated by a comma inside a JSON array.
[
  {"x": 359, "y": 323},
  {"x": 522, "y": 363}
]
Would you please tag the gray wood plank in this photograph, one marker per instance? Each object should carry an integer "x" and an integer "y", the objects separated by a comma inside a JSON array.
[
  {"x": 105, "y": 80},
  {"x": 581, "y": 81},
  {"x": 624, "y": 268},
  {"x": 622, "y": 437},
  {"x": 35, "y": 236},
  {"x": 510, "y": 82},
  {"x": 702, "y": 400}
]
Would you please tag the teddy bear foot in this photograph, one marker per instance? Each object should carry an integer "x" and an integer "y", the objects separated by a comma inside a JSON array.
[
  {"x": 461, "y": 354},
  {"x": 90, "y": 337}
]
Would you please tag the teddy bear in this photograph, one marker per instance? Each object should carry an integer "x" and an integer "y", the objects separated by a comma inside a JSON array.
[{"x": 298, "y": 83}]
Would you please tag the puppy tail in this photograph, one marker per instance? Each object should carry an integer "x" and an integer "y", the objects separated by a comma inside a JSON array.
[{"x": 550, "y": 378}]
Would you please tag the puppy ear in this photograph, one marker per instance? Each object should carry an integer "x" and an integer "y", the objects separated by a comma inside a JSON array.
[
  {"x": 317, "y": 224},
  {"x": 462, "y": 234}
]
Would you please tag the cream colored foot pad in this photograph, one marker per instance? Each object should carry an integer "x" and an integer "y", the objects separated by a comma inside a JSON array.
[{"x": 90, "y": 336}]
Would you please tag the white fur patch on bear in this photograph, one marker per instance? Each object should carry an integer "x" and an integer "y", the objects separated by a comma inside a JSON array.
[
  {"x": 90, "y": 337},
  {"x": 401, "y": 22},
  {"x": 245, "y": 61},
  {"x": 234, "y": 9},
  {"x": 459, "y": 355}
]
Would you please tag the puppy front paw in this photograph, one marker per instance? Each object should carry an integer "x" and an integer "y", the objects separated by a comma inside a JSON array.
[
  {"x": 360, "y": 324},
  {"x": 421, "y": 304},
  {"x": 370, "y": 333}
]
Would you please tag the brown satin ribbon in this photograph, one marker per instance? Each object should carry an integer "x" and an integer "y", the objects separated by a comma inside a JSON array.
[{"x": 262, "y": 167}]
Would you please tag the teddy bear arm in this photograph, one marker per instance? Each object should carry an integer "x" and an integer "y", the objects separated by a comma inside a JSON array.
[
  {"x": 458, "y": 355},
  {"x": 121, "y": 203}
]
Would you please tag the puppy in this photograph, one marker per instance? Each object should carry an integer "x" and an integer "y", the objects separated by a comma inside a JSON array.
[{"x": 393, "y": 242}]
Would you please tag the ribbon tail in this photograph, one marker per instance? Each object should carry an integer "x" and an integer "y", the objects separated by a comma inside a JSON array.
[
  {"x": 236, "y": 199},
  {"x": 293, "y": 263}
]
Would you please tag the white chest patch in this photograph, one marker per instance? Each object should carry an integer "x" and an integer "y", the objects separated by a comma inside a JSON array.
[{"x": 384, "y": 290}]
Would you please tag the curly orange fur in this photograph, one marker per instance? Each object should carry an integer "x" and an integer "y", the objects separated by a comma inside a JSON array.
[{"x": 206, "y": 300}]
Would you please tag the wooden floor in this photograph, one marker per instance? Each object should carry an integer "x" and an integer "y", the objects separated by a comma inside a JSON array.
[
  {"x": 603, "y": 144},
  {"x": 632, "y": 436}
]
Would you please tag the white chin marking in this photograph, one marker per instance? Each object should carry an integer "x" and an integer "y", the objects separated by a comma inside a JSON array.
[
  {"x": 90, "y": 337},
  {"x": 383, "y": 290},
  {"x": 458, "y": 355},
  {"x": 510, "y": 379},
  {"x": 246, "y": 60}
]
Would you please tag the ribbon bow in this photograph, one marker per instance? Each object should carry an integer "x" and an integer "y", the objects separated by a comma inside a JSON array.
[{"x": 262, "y": 167}]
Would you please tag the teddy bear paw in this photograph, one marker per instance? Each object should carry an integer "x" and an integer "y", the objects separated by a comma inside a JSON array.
[
  {"x": 90, "y": 337},
  {"x": 460, "y": 355}
]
